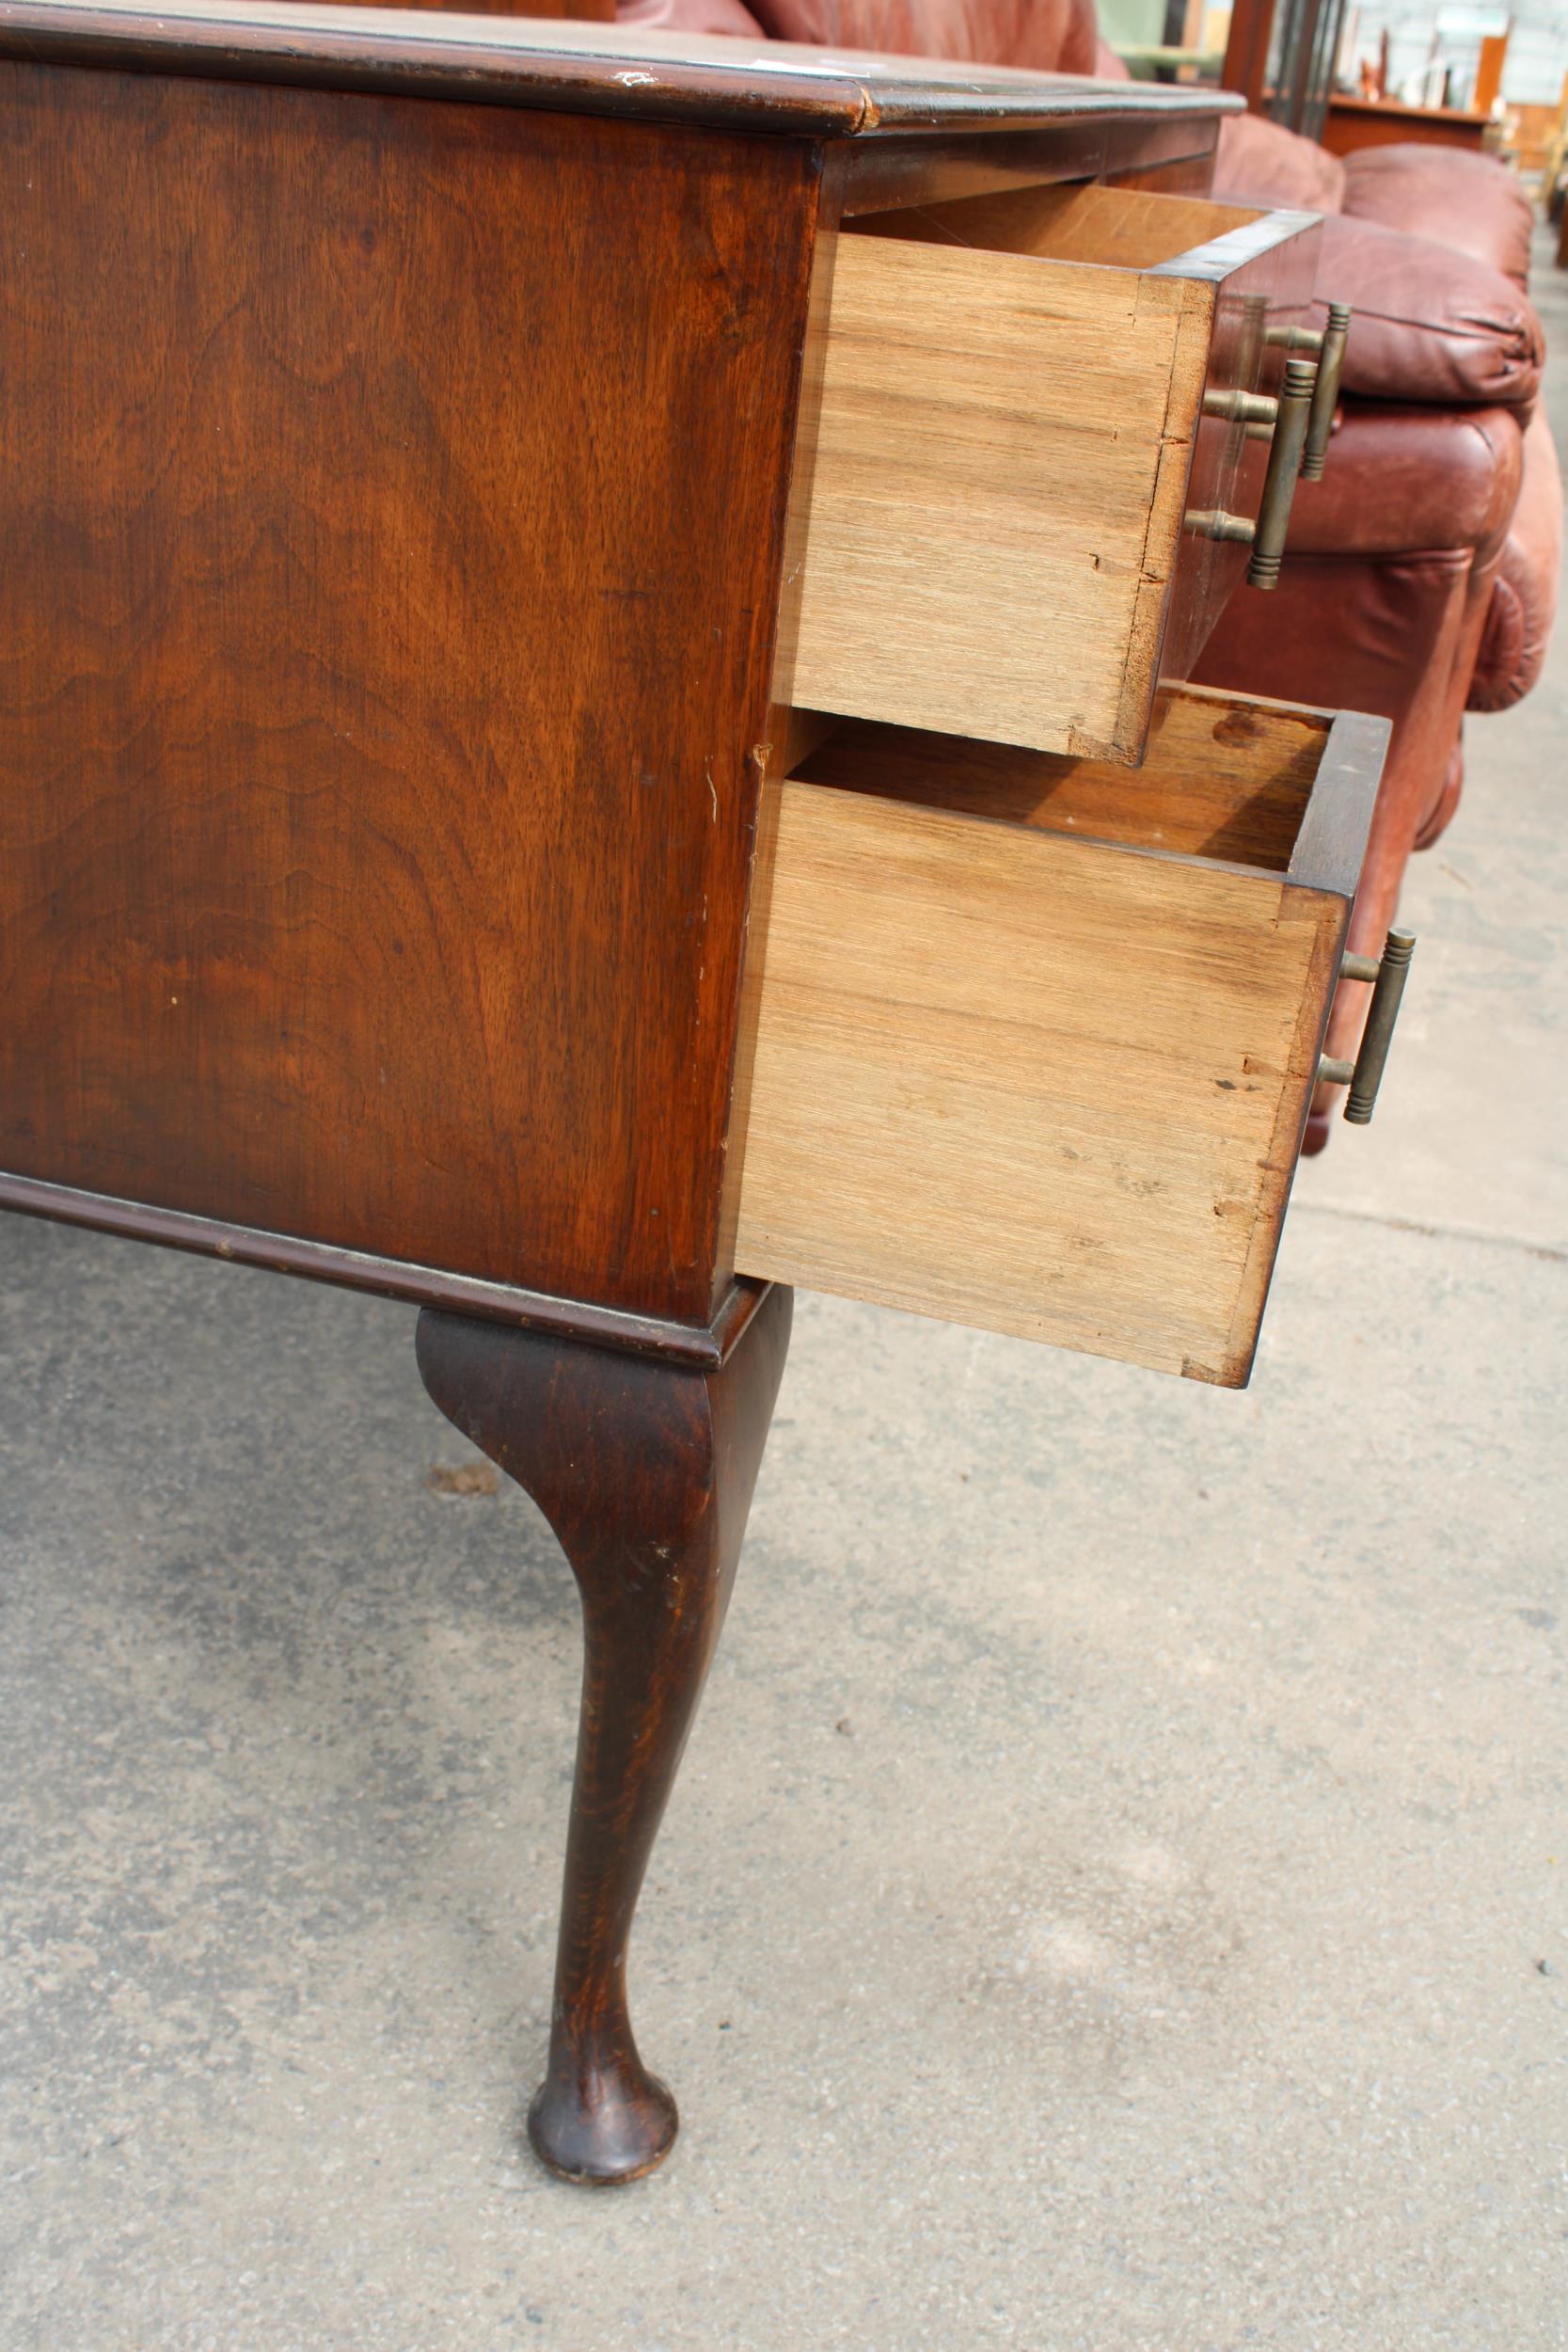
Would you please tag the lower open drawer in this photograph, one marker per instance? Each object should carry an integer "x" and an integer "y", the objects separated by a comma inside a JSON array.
[{"x": 1034, "y": 1039}]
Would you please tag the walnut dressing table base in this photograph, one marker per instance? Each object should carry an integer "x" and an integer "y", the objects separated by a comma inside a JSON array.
[{"x": 415, "y": 549}]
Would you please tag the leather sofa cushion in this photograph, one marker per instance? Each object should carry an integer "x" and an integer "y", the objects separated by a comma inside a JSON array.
[
  {"x": 1468, "y": 203},
  {"x": 1363, "y": 634},
  {"x": 1261, "y": 163},
  {"x": 1523, "y": 595},
  {"x": 1430, "y": 324},
  {"x": 1399, "y": 478}
]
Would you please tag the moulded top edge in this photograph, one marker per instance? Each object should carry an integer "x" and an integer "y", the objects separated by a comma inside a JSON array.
[{"x": 570, "y": 67}]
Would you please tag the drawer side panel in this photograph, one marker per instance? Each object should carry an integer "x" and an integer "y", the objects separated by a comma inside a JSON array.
[
  {"x": 988, "y": 453},
  {"x": 1031, "y": 1083}
]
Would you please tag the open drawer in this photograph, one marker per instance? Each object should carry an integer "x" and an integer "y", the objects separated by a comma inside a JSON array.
[
  {"x": 1024, "y": 398},
  {"x": 1034, "y": 1037}
]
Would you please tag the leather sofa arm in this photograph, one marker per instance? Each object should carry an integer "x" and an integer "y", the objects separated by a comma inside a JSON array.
[
  {"x": 1523, "y": 595},
  {"x": 1468, "y": 203},
  {"x": 1436, "y": 320},
  {"x": 1431, "y": 325}
]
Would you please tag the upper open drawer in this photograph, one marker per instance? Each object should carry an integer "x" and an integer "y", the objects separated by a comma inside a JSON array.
[{"x": 1024, "y": 398}]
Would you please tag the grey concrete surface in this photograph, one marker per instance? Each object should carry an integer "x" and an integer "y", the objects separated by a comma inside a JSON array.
[{"x": 1115, "y": 1898}]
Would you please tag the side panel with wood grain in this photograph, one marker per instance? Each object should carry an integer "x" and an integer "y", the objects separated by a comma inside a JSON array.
[{"x": 391, "y": 496}]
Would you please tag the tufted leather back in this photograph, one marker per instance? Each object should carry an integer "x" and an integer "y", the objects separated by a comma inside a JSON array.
[{"x": 1050, "y": 35}]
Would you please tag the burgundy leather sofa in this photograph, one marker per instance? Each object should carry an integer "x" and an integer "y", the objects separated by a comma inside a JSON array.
[{"x": 1422, "y": 570}]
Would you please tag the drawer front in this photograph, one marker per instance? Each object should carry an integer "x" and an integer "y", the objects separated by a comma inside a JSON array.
[
  {"x": 1013, "y": 1076},
  {"x": 995, "y": 537}
]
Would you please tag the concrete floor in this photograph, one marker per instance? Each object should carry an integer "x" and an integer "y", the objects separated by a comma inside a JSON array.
[{"x": 1116, "y": 1895}]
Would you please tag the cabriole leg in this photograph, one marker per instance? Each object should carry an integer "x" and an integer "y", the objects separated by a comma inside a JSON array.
[{"x": 644, "y": 1470}]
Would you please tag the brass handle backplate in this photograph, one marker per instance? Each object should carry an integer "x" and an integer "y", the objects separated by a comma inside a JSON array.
[
  {"x": 1213, "y": 523},
  {"x": 1388, "y": 974},
  {"x": 1241, "y": 408}
]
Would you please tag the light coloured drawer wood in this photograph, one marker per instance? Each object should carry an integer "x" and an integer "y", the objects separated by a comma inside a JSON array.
[
  {"x": 1034, "y": 1039},
  {"x": 1011, "y": 431}
]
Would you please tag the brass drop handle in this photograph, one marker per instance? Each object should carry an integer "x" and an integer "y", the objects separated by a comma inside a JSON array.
[
  {"x": 1326, "y": 394},
  {"x": 1364, "y": 1075},
  {"x": 1296, "y": 427},
  {"x": 1279, "y": 484}
]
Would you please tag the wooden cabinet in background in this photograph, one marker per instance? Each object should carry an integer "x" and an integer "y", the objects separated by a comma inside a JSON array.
[{"x": 1353, "y": 123}]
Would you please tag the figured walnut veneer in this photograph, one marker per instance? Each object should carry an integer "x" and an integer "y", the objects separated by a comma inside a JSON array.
[{"x": 391, "y": 533}]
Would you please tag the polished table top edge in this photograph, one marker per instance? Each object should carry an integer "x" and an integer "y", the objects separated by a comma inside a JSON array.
[{"x": 571, "y": 66}]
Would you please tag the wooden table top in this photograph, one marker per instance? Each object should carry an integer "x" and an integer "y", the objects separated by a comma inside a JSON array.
[{"x": 570, "y": 67}]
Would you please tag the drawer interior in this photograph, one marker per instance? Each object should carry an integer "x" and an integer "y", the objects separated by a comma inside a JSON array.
[
  {"x": 1078, "y": 221},
  {"x": 1033, "y": 1039},
  {"x": 1225, "y": 780}
]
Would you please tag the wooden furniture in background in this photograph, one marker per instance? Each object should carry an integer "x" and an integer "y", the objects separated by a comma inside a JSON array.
[
  {"x": 1489, "y": 72},
  {"x": 408, "y": 474},
  {"x": 1525, "y": 138},
  {"x": 1246, "y": 51},
  {"x": 1357, "y": 122},
  {"x": 1553, "y": 137},
  {"x": 1280, "y": 57}
]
